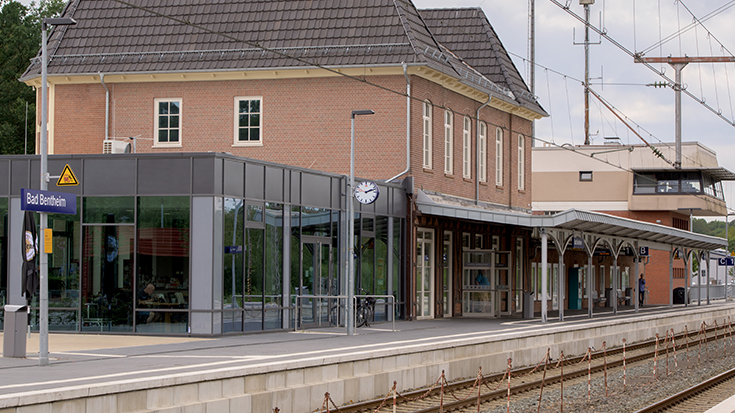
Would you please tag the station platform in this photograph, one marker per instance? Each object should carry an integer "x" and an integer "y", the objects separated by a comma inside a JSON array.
[{"x": 293, "y": 370}]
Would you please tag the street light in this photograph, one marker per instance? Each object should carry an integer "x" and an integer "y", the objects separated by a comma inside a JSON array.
[
  {"x": 43, "y": 264},
  {"x": 351, "y": 230}
]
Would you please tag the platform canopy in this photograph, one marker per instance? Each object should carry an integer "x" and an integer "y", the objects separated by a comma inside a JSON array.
[{"x": 573, "y": 219}]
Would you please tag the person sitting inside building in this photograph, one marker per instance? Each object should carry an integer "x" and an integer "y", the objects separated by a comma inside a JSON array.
[{"x": 145, "y": 297}]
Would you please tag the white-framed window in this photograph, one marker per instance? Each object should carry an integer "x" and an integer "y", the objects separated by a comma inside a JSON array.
[
  {"x": 521, "y": 163},
  {"x": 448, "y": 142},
  {"x": 248, "y": 121},
  {"x": 483, "y": 152},
  {"x": 167, "y": 122},
  {"x": 498, "y": 157},
  {"x": 466, "y": 151},
  {"x": 427, "y": 134}
]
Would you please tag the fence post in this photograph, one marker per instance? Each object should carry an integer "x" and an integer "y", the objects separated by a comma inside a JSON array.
[
  {"x": 624, "y": 365},
  {"x": 441, "y": 397},
  {"x": 561, "y": 392},
  {"x": 589, "y": 375},
  {"x": 510, "y": 366},
  {"x": 479, "y": 385},
  {"x": 655, "y": 358},
  {"x": 604, "y": 358},
  {"x": 543, "y": 380}
]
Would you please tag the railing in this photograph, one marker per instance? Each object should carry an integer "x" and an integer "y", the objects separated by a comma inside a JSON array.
[
  {"x": 716, "y": 292},
  {"x": 331, "y": 310}
]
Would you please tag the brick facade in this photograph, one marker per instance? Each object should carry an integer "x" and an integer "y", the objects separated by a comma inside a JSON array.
[{"x": 306, "y": 123}]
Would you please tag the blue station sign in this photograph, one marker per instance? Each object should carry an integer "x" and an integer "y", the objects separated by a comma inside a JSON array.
[
  {"x": 726, "y": 261},
  {"x": 47, "y": 201}
]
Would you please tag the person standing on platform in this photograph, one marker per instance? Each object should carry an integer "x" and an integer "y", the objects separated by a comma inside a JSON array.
[{"x": 641, "y": 290}]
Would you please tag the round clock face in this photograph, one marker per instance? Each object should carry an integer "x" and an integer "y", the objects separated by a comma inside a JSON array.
[{"x": 366, "y": 192}]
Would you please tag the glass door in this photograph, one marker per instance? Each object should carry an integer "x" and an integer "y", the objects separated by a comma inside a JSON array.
[
  {"x": 447, "y": 274},
  {"x": 478, "y": 279},
  {"x": 107, "y": 274},
  {"x": 424, "y": 273},
  {"x": 316, "y": 281},
  {"x": 501, "y": 261}
]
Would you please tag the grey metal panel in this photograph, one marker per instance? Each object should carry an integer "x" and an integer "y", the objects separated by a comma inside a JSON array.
[
  {"x": 295, "y": 187},
  {"x": 336, "y": 193},
  {"x": 112, "y": 176},
  {"x": 19, "y": 170},
  {"x": 315, "y": 190},
  {"x": 273, "y": 184},
  {"x": 204, "y": 180},
  {"x": 56, "y": 167},
  {"x": 201, "y": 323},
  {"x": 4, "y": 178},
  {"x": 218, "y": 254},
  {"x": 254, "y": 181},
  {"x": 164, "y": 176},
  {"x": 381, "y": 204},
  {"x": 286, "y": 186},
  {"x": 399, "y": 203},
  {"x": 219, "y": 181},
  {"x": 202, "y": 252},
  {"x": 15, "y": 260},
  {"x": 234, "y": 178}
]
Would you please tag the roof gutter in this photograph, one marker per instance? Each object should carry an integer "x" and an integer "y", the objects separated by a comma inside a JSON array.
[
  {"x": 107, "y": 106},
  {"x": 408, "y": 123}
]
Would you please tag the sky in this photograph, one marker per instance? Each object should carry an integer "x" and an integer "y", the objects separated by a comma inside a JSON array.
[{"x": 637, "y": 25}]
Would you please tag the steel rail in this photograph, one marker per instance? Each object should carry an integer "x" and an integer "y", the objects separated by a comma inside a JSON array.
[
  {"x": 371, "y": 405},
  {"x": 694, "y": 391}
]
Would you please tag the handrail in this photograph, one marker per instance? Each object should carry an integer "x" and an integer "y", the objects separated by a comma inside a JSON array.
[{"x": 297, "y": 310}]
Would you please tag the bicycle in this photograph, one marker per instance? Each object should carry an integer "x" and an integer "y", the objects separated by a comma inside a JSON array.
[{"x": 365, "y": 311}]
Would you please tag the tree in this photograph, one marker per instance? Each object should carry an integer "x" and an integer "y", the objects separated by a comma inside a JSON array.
[{"x": 20, "y": 29}]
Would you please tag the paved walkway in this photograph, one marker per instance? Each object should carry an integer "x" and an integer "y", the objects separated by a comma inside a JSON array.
[{"x": 83, "y": 360}]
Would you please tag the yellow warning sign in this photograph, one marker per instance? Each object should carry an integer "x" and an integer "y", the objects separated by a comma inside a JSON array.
[
  {"x": 48, "y": 240},
  {"x": 67, "y": 178}
]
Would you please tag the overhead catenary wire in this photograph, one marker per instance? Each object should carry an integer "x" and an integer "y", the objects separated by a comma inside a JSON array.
[
  {"x": 361, "y": 80},
  {"x": 637, "y": 57}
]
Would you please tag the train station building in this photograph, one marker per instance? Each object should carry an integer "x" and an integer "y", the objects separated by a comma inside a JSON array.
[{"x": 230, "y": 210}]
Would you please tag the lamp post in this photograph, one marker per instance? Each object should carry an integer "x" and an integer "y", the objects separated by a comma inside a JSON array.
[
  {"x": 351, "y": 229},
  {"x": 727, "y": 251},
  {"x": 43, "y": 260}
]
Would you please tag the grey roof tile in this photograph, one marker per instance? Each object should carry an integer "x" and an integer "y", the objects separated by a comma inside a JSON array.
[{"x": 340, "y": 32}]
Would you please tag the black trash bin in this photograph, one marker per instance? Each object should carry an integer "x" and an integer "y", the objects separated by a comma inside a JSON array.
[{"x": 679, "y": 295}]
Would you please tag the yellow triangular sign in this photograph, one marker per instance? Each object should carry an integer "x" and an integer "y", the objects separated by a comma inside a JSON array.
[{"x": 67, "y": 178}]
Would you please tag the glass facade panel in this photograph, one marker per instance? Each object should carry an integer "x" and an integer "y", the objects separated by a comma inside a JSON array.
[
  {"x": 63, "y": 263},
  {"x": 233, "y": 233},
  {"x": 119, "y": 210},
  {"x": 163, "y": 264},
  {"x": 107, "y": 289},
  {"x": 253, "y": 298},
  {"x": 273, "y": 282},
  {"x": 4, "y": 229},
  {"x": 315, "y": 221}
]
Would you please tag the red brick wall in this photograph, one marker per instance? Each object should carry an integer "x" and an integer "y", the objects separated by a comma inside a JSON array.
[
  {"x": 657, "y": 270},
  {"x": 306, "y": 123}
]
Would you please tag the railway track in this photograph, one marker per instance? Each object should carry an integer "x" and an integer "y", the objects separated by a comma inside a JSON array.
[
  {"x": 495, "y": 387},
  {"x": 698, "y": 398}
]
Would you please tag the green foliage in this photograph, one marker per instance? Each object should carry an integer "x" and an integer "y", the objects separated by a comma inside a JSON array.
[
  {"x": 20, "y": 29},
  {"x": 716, "y": 229}
]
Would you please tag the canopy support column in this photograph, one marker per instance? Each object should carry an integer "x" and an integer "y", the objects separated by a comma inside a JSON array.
[{"x": 544, "y": 273}]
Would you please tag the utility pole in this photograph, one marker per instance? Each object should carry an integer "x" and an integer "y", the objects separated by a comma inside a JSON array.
[
  {"x": 587, "y": 4},
  {"x": 678, "y": 63},
  {"x": 532, "y": 51}
]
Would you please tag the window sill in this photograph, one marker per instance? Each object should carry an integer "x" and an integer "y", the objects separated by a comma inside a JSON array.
[
  {"x": 499, "y": 187},
  {"x": 521, "y": 191},
  {"x": 483, "y": 183},
  {"x": 166, "y": 145},
  {"x": 468, "y": 180},
  {"x": 448, "y": 175},
  {"x": 245, "y": 145},
  {"x": 428, "y": 170}
]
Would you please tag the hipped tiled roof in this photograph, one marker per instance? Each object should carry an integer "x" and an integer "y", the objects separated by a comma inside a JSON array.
[
  {"x": 169, "y": 36},
  {"x": 468, "y": 34}
]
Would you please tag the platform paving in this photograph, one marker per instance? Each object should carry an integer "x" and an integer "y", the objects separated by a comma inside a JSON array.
[{"x": 80, "y": 361}]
